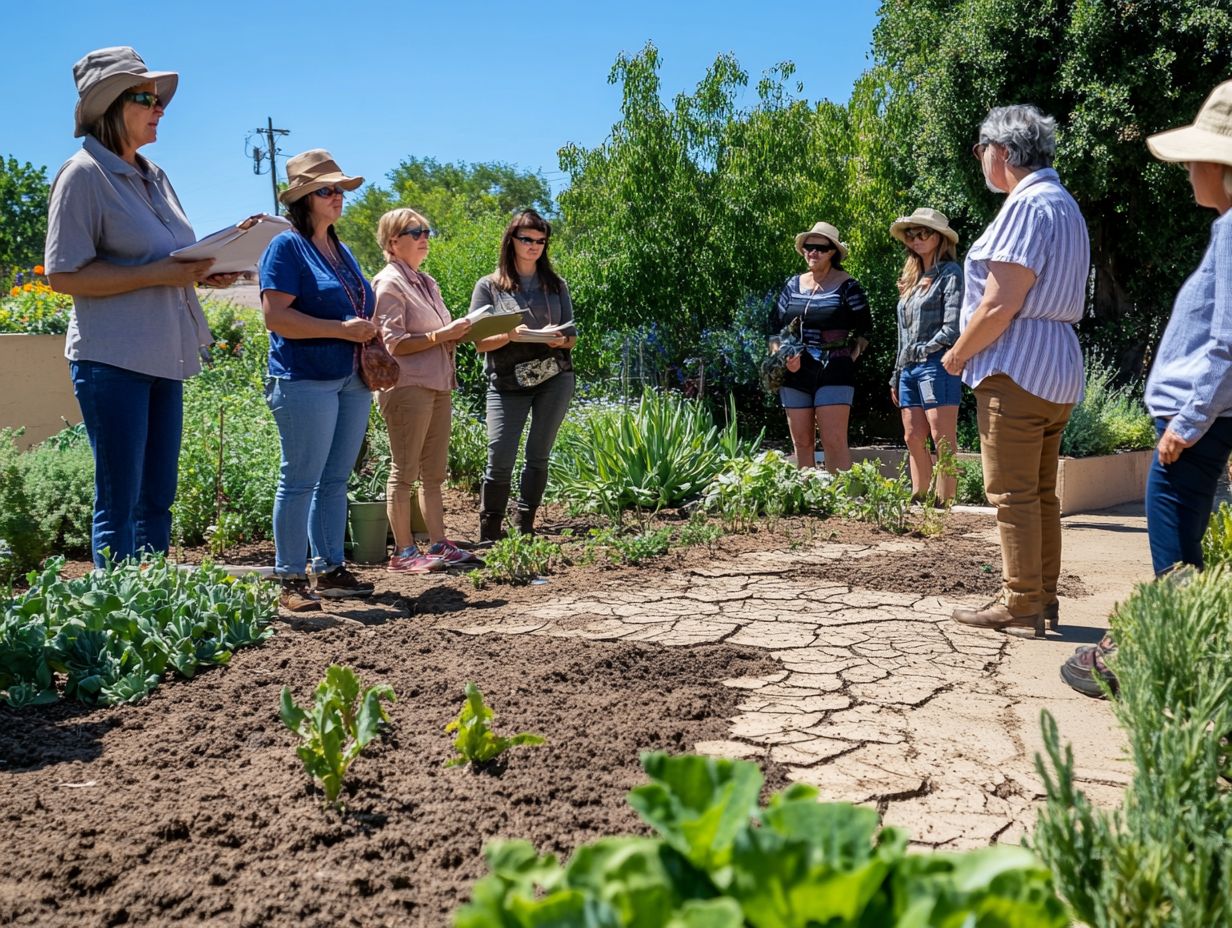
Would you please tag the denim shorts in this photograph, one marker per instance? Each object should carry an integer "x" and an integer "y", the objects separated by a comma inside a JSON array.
[{"x": 928, "y": 384}]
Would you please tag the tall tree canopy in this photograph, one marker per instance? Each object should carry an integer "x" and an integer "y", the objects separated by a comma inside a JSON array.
[
  {"x": 1112, "y": 72},
  {"x": 23, "y": 215}
]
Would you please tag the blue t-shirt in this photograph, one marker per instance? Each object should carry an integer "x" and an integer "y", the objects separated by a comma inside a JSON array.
[{"x": 291, "y": 264}]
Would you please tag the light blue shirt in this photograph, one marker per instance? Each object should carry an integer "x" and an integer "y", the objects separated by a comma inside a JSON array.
[
  {"x": 1040, "y": 228},
  {"x": 1191, "y": 379}
]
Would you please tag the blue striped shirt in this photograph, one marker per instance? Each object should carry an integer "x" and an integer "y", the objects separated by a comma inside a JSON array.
[
  {"x": 1041, "y": 228},
  {"x": 1191, "y": 379}
]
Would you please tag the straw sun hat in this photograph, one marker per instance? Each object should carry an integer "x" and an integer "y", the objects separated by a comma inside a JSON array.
[
  {"x": 825, "y": 230},
  {"x": 929, "y": 219},
  {"x": 1208, "y": 139},
  {"x": 105, "y": 73},
  {"x": 311, "y": 170}
]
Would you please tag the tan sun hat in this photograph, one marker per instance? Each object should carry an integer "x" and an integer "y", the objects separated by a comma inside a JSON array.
[
  {"x": 929, "y": 218},
  {"x": 1208, "y": 139},
  {"x": 825, "y": 230},
  {"x": 311, "y": 170},
  {"x": 105, "y": 73}
]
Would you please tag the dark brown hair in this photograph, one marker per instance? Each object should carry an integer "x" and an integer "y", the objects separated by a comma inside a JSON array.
[
  {"x": 507, "y": 271},
  {"x": 300, "y": 213}
]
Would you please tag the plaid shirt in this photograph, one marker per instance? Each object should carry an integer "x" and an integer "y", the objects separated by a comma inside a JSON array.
[{"x": 928, "y": 316}]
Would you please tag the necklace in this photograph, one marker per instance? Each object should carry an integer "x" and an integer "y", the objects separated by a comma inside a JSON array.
[{"x": 352, "y": 287}]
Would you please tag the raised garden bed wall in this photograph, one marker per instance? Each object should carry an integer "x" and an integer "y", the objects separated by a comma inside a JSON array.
[
  {"x": 36, "y": 392},
  {"x": 1083, "y": 484}
]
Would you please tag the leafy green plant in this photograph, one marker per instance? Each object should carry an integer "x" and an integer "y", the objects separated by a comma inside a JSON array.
[
  {"x": 721, "y": 861},
  {"x": 468, "y": 445},
  {"x": 370, "y": 477},
  {"x": 340, "y": 723},
  {"x": 971, "y": 484},
  {"x": 475, "y": 741},
  {"x": 19, "y": 527},
  {"x": 33, "y": 308},
  {"x": 1217, "y": 540},
  {"x": 748, "y": 488},
  {"x": 661, "y": 452},
  {"x": 630, "y": 547},
  {"x": 516, "y": 559},
  {"x": 1109, "y": 418},
  {"x": 59, "y": 483},
  {"x": 1164, "y": 857},
  {"x": 864, "y": 493},
  {"x": 112, "y": 634},
  {"x": 699, "y": 531}
]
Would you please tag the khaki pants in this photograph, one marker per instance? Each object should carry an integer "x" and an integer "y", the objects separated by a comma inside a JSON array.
[
  {"x": 418, "y": 420},
  {"x": 1020, "y": 441}
]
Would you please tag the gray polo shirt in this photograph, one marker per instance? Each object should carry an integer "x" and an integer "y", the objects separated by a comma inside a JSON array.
[{"x": 104, "y": 208}]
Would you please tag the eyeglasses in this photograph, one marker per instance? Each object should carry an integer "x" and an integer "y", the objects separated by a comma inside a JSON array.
[
  {"x": 916, "y": 233},
  {"x": 326, "y": 192},
  {"x": 144, "y": 98},
  {"x": 822, "y": 247},
  {"x": 416, "y": 233},
  {"x": 978, "y": 150},
  {"x": 527, "y": 240}
]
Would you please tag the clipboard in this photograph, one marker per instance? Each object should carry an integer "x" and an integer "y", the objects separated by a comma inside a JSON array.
[
  {"x": 486, "y": 322},
  {"x": 233, "y": 249}
]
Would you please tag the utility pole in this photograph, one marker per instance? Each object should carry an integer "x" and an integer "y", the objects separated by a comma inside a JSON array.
[{"x": 270, "y": 152}]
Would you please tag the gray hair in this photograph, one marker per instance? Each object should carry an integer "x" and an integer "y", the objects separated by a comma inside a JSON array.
[{"x": 1028, "y": 136}]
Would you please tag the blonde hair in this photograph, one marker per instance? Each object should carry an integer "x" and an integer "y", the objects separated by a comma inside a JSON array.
[
  {"x": 913, "y": 268},
  {"x": 393, "y": 222}
]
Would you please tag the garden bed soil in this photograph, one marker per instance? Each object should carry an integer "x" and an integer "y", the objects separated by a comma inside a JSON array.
[{"x": 192, "y": 808}]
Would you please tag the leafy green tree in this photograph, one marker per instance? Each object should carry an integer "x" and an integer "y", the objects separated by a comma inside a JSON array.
[
  {"x": 23, "y": 215},
  {"x": 1112, "y": 72}
]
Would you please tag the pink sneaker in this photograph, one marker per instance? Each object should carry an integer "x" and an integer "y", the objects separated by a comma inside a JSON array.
[
  {"x": 413, "y": 561},
  {"x": 453, "y": 556}
]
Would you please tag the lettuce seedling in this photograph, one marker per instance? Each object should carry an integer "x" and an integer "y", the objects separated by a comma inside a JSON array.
[
  {"x": 476, "y": 744},
  {"x": 338, "y": 725}
]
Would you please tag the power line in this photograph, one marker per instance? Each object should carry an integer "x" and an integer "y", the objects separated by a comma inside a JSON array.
[{"x": 269, "y": 153}]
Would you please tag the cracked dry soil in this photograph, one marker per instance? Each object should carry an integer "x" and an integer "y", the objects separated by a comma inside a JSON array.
[{"x": 806, "y": 649}]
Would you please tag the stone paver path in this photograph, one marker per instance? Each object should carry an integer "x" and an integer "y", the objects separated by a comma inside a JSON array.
[{"x": 881, "y": 698}]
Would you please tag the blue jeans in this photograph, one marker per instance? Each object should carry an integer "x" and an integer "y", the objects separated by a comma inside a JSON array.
[
  {"x": 321, "y": 424},
  {"x": 546, "y": 405},
  {"x": 134, "y": 422},
  {"x": 1179, "y": 497},
  {"x": 928, "y": 384}
]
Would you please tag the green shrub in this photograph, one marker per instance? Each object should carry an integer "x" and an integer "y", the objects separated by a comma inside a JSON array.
[
  {"x": 468, "y": 444},
  {"x": 662, "y": 452},
  {"x": 1165, "y": 857},
  {"x": 767, "y": 485},
  {"x": 1217, "y": 540},
  {"x": 33, "y": 308},
  {"x": 719, "y": 860},
  {"x": 59, "y": 477},
  {"x": 864, "y": 493},
  {"x": 113, "y": 633},
  {"x": 630, "y": 548},
  {"x": 20, "y": 526},
  {"x": 971, "y": 484},
  {"x": 1109, "y": 418},
  {"x": 516, "y": 559}
]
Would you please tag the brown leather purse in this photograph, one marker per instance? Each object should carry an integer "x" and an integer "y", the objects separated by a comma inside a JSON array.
[{"x": 377, "y": 367}]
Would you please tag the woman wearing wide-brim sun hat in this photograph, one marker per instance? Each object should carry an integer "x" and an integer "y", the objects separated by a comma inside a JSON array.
[
  {"x": 318, "y": 308},
  {"x": 1189, "y": 390},
  {"x": 930, "y": 293},
  {"x": 819, "y": 384},
  {"x": 137, "y": 328}
]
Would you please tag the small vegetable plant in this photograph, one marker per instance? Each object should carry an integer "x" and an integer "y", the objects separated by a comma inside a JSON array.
[
  {"x": 338, "y": 725},
  {"x": 721, "y": 861},
  {"x": 476, "y": 743},
  {"x": 516, "y": 559}
]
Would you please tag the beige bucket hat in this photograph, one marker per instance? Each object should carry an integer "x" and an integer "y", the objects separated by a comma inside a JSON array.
[
  {"x": 311, "y": 170},
  {"x": 827, "y": 231},
  {"x": 105, "y": 73},
  {"x": 929, "y": 218},
  {"x": 1208, "y": 139}
]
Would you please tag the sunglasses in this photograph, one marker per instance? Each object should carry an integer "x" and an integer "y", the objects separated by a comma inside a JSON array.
[
  {"x": 326, "y": 192},
  {"x": 527, "y": 240},
  {"x": 416, "y": 232},
  {"x": 822, "y": 247},
  {"x": 144, "y": 98},
  {"x": 917, "y": 233}
]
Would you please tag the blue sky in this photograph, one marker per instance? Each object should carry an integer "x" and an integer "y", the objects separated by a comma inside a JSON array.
[{"x": 376, "y": 82}]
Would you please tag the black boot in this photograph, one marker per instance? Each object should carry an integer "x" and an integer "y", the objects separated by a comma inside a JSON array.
[
  {"x": 526, "y": 518},
  {"x": 493, "y": 500}
]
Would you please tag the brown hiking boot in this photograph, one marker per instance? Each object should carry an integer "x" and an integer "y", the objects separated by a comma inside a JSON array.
[
  {"x": 296, "y": 596},
  {"x": 340, "y": 583},
  {"x": 998, "y": 616}
]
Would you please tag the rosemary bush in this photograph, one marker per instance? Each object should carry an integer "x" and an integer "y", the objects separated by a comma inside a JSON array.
[{"x": 1164, "y": 858}]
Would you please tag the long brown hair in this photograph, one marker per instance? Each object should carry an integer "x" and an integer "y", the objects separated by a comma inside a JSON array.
[
  {"x": 913, "y": 269},
  {"x": 506, "y": 277},
  {"x": 110, "y": 129}
]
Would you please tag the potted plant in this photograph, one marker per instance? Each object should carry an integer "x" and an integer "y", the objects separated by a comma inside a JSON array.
[{"x": 366, "y": 518}]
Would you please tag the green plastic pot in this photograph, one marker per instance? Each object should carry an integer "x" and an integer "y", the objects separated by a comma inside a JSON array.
[{"x": 369, "y": 531}]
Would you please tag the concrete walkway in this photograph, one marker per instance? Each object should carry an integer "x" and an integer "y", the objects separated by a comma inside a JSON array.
[{"x": 881, "y": 698}]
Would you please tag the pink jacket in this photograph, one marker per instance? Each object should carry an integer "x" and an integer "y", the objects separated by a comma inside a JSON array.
[{"x": 409, "y": 303}]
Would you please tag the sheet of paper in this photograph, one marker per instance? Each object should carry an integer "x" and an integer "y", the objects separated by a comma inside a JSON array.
[{"x": 234, "y": 249}]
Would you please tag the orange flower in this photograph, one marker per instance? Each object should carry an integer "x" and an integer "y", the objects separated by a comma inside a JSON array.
[
  {"x": 15, "y": 291},
  {"x": 27, "y": 287},
  {"x": 38, "y": 269}
]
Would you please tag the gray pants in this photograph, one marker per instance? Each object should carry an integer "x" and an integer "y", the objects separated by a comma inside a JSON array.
[{"x": 546, "y": 406}]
